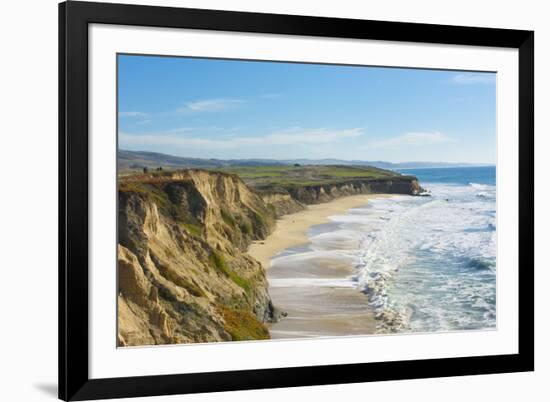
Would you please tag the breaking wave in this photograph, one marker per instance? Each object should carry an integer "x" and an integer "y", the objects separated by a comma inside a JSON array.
[{"x": 428, "y": 263}]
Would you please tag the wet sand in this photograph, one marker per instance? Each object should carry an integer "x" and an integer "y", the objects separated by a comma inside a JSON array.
[
  {"x": 291, "y": 230},
  {"x": 320, "y": 305},
  {"x": 314, "y": 291}
]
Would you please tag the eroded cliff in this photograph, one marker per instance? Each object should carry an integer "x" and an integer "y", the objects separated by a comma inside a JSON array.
[
  {"x": 319, "y": 193},
  {"x": 184, "y": 275}
]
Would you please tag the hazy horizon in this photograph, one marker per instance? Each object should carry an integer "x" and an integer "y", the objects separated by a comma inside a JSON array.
[
  {"x": 226, "y": 109},
  {"x": 314, "y": 159}
]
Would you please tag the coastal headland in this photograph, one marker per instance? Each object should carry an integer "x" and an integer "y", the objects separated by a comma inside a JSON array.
[{"x": 191, "y": 263}]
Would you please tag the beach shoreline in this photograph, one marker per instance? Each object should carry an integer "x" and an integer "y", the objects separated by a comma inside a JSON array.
[
  {"x": 291, "y": 230},
  {"x": 333, "y": 308}
]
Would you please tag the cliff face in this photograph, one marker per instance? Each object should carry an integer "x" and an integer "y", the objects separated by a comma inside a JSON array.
[
  {"x": 183, "y": 271},
  {"x": 315, "y": 194},
  {"x": 184, "y": 275},
  {"x": 282, "y": 203}
]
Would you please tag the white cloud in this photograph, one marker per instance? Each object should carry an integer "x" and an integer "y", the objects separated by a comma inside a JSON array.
[
  {"x": 411, "y": 139},
  {"x": 473, "y": 78},
  {"x": 210, "y": 105},
  {"x": 131, "y": 114},
  {"x": 294, "y": 136}
]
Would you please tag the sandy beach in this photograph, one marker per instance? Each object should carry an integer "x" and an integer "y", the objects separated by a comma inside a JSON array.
[
  {"x": 291, "y": 230},
  {"x": 315, "y": 293}
]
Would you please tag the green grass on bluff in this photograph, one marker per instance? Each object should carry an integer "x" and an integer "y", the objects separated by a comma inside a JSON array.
[{"x": 266, "y": 177}]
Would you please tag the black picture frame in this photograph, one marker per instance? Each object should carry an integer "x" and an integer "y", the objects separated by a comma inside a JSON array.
[{"x": 74, "y": 18}]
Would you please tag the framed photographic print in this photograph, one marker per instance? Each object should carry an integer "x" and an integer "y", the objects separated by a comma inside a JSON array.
[{"x": 257, "y": 200}]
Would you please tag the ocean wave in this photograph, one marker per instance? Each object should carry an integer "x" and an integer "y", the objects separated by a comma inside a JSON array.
[
  {"x": 430, "y": 264},
  {"x": 386, "y": 250},
  {"x": 390, "y": 318},
  {"x": 480, "y": 186},
  {"x": 477, "y": 263}
]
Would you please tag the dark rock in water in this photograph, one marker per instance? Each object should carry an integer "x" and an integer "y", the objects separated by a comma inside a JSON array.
[
  {"x": 276, "y": 314},
  {"x": 422, "y": 192}
]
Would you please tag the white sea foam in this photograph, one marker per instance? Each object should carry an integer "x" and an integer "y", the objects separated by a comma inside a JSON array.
[
  {"x": 312, "y": 282},
  {"x": 427, "y": 263}
]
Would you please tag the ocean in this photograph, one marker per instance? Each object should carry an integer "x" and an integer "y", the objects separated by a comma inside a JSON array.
[{"x": 424, "y": 264}]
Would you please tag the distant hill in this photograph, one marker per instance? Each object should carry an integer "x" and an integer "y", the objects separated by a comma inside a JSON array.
[
  {"x": 382, "y": 164},
  {"x": 136, "y": 160},
  {"x": 132, "y": 160},
  {"x": 141, "y": 159}
]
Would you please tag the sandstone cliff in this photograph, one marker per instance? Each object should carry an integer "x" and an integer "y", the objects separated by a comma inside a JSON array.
[
  {"x": 319, "y": 193},
  {"x": 184, "y": 275}
]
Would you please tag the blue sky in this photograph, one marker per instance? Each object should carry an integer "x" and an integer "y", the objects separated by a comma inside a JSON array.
[{"x": 244, "y": 109}]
